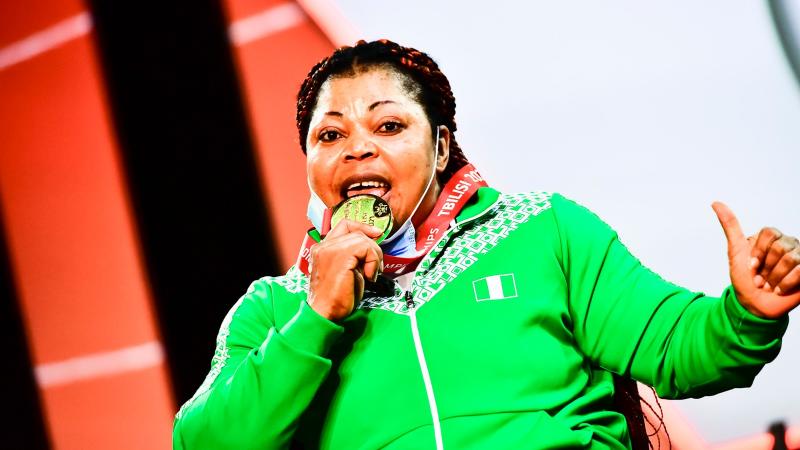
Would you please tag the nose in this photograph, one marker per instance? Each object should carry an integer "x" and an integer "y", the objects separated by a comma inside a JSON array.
[{"x": 360, "y": 149}]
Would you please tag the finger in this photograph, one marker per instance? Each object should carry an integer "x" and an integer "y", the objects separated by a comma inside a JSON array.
[
  {"x": 790, "y": 283},
  {"x": 776, "y": 251},
  {"x": 349, "y": 226},
  {"x": 373, "y": 261},
  {"x": 367, "y": 255},
  {"x": 785, "y": 265},
  {"x": 730, "y": 225},
  {"x": 338, "y": 249},
  {"x": 754, "y": 262},
  {"x": 358, "y": 288},
  {"x": 343, "y": 240},
  {"x": 358, "y": 251},
  {"x": 765, "y": 238},
  {"x": 347, "y": 245}
]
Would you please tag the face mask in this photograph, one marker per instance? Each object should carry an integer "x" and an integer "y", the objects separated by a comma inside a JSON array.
[
  {"x": 402, "y": 242},
  {"x": 316, "y": 209}
]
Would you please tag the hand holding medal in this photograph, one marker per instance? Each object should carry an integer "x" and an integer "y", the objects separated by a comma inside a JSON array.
[
  {"x": 367, "y": 209},
  {"x": 349, "y": 256}
]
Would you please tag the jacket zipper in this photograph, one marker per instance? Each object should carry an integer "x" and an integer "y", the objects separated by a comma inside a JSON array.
[
  {"x": 426, "y": 377},
  {"x": 410, "y": 300},
  {"x": 411, "y": 305}
]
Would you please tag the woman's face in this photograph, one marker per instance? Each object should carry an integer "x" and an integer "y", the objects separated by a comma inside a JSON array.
[{"x": 367, "y": 135}]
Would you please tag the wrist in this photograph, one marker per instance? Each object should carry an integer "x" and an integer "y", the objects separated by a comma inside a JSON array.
[
  {"x": 310, "y": 332},
  {"x": 739, "y": 308},
  {"x": 746, "y": 305},
  {"x": 326, "y": 309}
]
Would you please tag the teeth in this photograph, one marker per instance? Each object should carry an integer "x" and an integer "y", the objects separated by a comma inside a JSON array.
[{"x": 367, "y": 184}]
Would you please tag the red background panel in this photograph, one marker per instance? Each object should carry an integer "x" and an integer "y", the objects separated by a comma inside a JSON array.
[
  {"x": 68, "y": 221},
  {"x": 71, "y": 239},
  {"x": 240, "y": 9},
  {"x": 20, "y": 19},
  {"x": 121, "y": 412}
]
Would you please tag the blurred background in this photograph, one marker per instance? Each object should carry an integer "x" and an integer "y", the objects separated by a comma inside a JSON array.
[{"x": 150, "y": 169}]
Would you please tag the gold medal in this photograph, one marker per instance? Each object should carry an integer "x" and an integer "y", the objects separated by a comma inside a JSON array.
[{"x": 365, "y": 208}]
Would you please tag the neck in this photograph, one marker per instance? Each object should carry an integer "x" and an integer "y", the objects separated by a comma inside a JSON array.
[{"x": 427, "y": 204}]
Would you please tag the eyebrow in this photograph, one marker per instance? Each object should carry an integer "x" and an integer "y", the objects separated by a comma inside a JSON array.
[
  {"x": 379, "y": 103},
  {"x": 371, "y": 107}
]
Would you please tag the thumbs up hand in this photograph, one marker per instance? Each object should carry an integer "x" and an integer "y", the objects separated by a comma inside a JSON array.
[{"x": 765, "y": 269}]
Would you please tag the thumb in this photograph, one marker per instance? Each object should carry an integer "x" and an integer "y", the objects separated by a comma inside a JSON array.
[{"x": 730, "y": 225}]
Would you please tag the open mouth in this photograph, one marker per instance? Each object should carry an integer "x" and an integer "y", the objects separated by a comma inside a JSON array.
[
  {"x": 375, "y": 187},
  {"x": 365, "y": 183}
]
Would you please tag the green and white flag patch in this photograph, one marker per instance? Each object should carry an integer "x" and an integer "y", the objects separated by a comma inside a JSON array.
[{"x": 495, "y": 287}]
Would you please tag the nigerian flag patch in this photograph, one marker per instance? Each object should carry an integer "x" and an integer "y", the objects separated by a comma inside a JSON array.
[{"x": 495, "y": 287}]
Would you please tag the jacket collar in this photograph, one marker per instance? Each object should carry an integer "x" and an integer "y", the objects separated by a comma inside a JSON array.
[{"x": 480, "y": 204}]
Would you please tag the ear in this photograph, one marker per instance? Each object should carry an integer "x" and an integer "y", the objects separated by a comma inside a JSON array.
[{"x": 443, "y": 152}]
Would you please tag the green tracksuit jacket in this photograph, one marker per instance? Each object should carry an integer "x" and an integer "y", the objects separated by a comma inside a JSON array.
[{"x": 520, "y": 314}]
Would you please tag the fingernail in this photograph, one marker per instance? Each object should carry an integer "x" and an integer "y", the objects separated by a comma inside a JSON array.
[
  {"x": 758, "y": 280},
  {"x": 777, "y": 290},
  {"x": 753, "y": 262},
  {"x": 767, "y": 286}
]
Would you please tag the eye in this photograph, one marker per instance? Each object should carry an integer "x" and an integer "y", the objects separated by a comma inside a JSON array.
[
  {"x": 329, "y": 135},
  {"x": 390, "y": 127}
]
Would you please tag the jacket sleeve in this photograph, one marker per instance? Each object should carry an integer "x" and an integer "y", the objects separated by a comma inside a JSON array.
[
  {"x": 630, "y": 321},
  {"x": 262, "y": 377}
]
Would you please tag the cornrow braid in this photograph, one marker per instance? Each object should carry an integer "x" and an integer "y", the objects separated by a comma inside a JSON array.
[{"x": 426, "y": 83}]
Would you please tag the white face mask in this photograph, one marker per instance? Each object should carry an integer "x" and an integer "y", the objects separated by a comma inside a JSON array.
[
  {"x": 316, "y": 209},
  {"x": 400, "y": 243}
]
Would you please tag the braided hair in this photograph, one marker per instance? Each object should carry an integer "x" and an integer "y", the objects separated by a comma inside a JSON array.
[{"x": 422, "y": 78}]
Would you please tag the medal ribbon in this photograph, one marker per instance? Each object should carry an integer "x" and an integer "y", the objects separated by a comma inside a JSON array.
[{"x": 455, "y": 194}]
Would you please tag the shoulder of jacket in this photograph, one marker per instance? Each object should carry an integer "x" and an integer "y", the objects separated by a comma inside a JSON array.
[
  {"x": 530, "y": 203},
  {"x": 292, "y": 282},
  {"x": 510, "y": 210}
]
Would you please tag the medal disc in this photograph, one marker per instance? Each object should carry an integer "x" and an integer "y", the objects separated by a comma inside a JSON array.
[{"x": 365, "y": 208}]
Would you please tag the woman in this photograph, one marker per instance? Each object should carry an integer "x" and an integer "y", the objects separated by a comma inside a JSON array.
[{"x": 486, "y": 320}]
